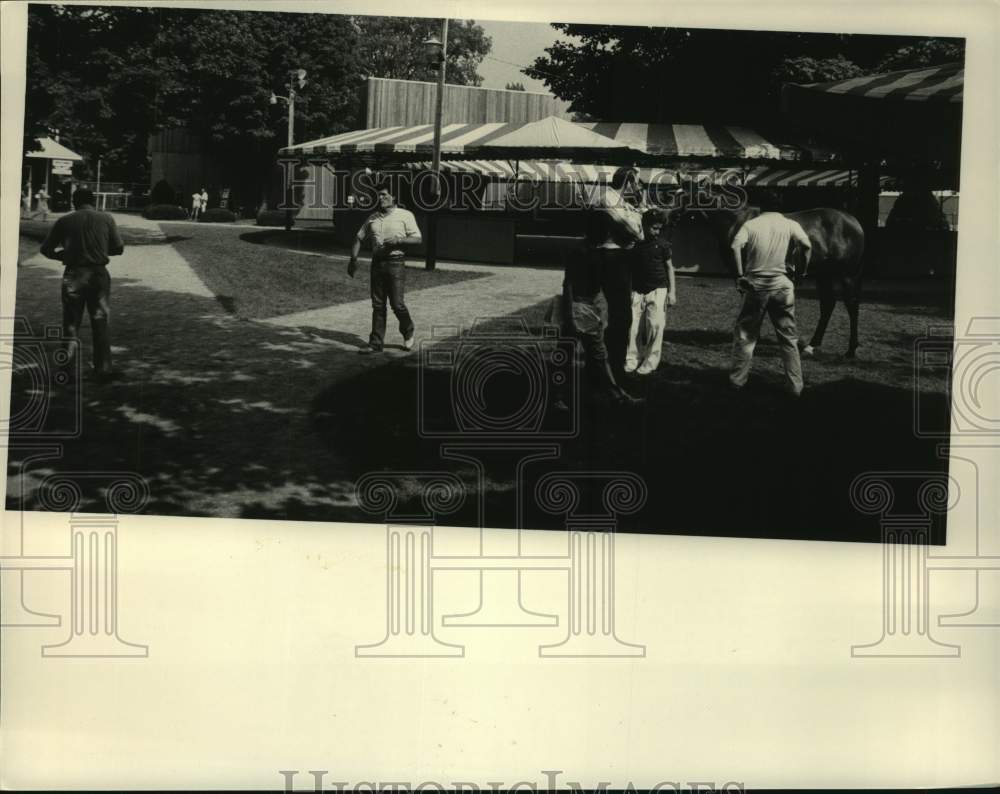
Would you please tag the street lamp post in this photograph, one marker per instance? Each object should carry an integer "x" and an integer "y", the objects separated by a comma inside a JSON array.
[
  {"x": 437, "y": 52},
  {"x": 295, "y": 77}
]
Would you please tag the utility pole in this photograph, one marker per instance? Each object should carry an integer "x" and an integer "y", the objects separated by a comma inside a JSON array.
[
  {"x": 295, "y": 76},
  {"x": 438, "y": 51}
]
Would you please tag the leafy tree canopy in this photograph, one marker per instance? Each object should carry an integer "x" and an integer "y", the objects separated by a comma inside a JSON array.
[
  {"x": 393, "y": 47},
  {"x": 625, "y": 73},
  {"x": 108, "y": 77}
]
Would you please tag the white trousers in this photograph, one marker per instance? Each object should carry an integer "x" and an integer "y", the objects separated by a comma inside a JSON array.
[{"x": 645, "y": 336}]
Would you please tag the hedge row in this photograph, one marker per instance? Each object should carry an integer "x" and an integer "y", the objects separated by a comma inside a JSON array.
[
  {"x": 217, "y": 215},
  {"x": 271, "y": 218},
  {"x": 165, "y": 212}
]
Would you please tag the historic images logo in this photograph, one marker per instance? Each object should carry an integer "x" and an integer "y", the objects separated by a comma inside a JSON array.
[
  {"x": 909, "y": 503},
  {"x": 43, "y": 374}
]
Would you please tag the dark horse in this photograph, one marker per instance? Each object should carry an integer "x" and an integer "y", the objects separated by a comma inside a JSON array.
[{"x": 838, "y": 245}]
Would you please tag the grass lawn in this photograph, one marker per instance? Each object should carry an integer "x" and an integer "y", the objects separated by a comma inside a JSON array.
[
  {"x": 750, "y": 464},
  {"x": 254, "y": 276},
  {"x": 225, "y": 416}
]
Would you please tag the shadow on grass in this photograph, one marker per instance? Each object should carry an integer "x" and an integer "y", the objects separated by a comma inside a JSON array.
[
  {"x": 749, "y": 464},
  {"x": 320, "y": 241},
  {"x": 226, "y": 417}
]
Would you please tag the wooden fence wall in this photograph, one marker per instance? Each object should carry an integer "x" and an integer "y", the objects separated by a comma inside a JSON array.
[{"x": 392, "y": 103}]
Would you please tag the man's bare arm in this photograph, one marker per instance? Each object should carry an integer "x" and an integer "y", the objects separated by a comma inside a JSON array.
[
  {"x": 116, "y": 246},
  {"x": 352, "y": 265},
  {"x": 799, "y": 235},
  {"x": 54, "y": 240}
]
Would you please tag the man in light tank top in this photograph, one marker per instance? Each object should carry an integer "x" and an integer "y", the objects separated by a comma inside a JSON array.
[{"x": 761, "y": 250}]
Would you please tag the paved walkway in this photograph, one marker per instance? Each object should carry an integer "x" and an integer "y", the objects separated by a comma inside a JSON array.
[
  {"x": 232, "y": 417},
  {"x": 504, "y": 291}
]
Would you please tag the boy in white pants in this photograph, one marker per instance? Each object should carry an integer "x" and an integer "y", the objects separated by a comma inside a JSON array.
[{"x": 653, "y": 289}]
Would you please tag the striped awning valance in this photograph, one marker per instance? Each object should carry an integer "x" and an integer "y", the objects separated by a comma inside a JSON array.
[
  {"x": 670, "y": 140},
  {"x": 799, "y": 177},
  {"x": 545, "y": 171},
  {"x": 933, "y": 84}
]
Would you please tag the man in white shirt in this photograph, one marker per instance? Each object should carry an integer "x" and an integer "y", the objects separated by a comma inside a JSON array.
[
  {"x": 389, "y": 230},
  {"x": 761, "y": 251}
]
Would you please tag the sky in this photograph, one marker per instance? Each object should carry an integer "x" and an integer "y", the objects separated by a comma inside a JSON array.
[{"x": 517, "y": 43}]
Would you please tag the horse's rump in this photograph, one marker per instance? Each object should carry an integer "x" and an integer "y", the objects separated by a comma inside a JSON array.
[{"x": 837, "y": 239}]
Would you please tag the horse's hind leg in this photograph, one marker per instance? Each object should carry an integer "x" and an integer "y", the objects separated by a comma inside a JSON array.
[
  {"x": 852, "y": 300},
  {"x": 827, "y": 300}
]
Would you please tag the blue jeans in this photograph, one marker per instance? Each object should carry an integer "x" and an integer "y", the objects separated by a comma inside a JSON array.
[
  {"x": 388, "y": 280},
  {"x": 778, "y": 304},
  {"x": 85, "y": 286}
]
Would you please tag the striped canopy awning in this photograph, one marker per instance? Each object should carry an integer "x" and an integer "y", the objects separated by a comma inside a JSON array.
[
  {"x": 933, "y": 84},
  {"x": 914, "y": 116},
  {"x": 672, "y": 140},
  {"x": 545, "y": 171},
  {"x": 708, "y": 141}
]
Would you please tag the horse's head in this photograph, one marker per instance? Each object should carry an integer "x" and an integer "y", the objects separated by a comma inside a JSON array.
[{"x": 712, "y": 211}]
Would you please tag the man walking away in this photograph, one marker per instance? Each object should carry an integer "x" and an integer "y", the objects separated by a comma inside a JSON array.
[
  {"x": 389, "y": 231},
  {"x": 83, "y": 241},
  {"x": 766, "y": 288}
]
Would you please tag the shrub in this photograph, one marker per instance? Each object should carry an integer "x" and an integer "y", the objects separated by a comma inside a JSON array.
[
  {"x": 164, "y": 212},
  {"x": 272, "y": 218},
  {"x": 162, "y": 193},
  {"x": 217, "y": 215}
]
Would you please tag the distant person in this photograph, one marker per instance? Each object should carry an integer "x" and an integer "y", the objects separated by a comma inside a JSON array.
[
  {"x": 653, "y": 288},
  {"x": 195, "y": 205},
  {"x": 42, "y": 207},
  {"x": 26, "y": 202},
  {"x": 83, "y": 241},
  {"x": 761, "y": 250},
  {"x": 917, "y": 209},
  {"x": 390, "y": 230},
  {"x": 204, "y": 200}
]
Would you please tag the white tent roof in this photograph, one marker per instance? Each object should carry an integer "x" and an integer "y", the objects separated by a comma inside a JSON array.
[{"x": 53, "y": 150}]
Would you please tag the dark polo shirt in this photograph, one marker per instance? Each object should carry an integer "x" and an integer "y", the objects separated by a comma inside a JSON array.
[{"x": 87, "y": 237}]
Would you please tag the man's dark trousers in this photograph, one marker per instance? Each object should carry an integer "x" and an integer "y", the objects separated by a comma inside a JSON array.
[
  {"x": 616, "y": 283},
  {"x": 88, "y": 286},
  {"x": 388, "y": 280}
]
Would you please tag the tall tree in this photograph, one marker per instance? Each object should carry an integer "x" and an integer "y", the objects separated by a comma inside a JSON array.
[
  {"x": 110, "y": 76},
  {"x": 625, "y": 73},
  {"x": 393, "y": 47},
  {"x": 92, "y": 74}
]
